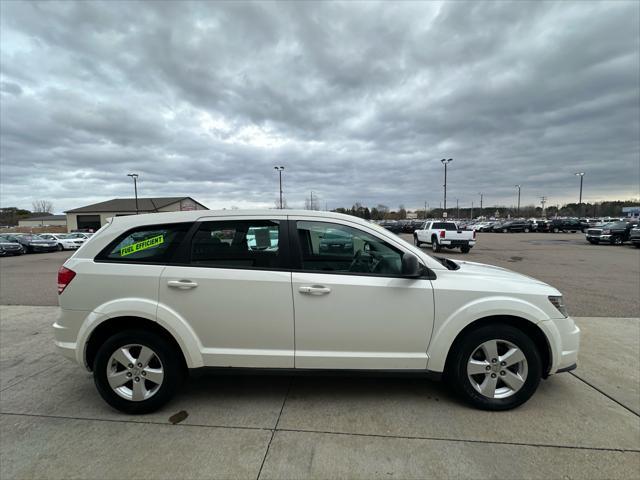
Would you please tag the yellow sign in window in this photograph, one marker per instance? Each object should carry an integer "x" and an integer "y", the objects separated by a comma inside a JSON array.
[{"x": 143, "y": 245}]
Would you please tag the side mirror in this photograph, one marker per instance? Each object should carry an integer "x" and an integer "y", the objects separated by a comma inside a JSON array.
[{"x": 410, "y": 266}]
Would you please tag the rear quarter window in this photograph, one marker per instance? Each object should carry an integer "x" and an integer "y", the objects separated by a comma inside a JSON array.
[{"x": 148, "y": 244}]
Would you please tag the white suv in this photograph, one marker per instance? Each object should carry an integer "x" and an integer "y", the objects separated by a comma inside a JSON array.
[{"x": 151, "y": 296}]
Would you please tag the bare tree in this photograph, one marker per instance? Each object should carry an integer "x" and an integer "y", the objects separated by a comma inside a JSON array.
[
  {"x": 42, "y": 206},
  {"x": 284, "y": 202}
]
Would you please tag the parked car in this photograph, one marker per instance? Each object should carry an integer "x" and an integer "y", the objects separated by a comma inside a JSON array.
[
  {"x": 33, "y": 243},
  {"x": 153, "y": 296},
  {"x": 516, "y": 226},
  {"x": 572, "y": 225},
  {"x": 9, "y": 247},
  {"x": 391, "y": 225},
  {"x": 83, "y": 235},
  {"x": 63, "y": 240},
  {"x": 634, "y": 236},
  {"x": 445, "y": 234},
  {"x": 615, "y": 233},
  {"x": 496, "y": 227}
]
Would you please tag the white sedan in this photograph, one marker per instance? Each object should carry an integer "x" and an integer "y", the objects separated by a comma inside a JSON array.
[{"x": 64, "y": 241}]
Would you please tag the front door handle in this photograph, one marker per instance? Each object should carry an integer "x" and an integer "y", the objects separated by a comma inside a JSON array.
[
  {"x": 314, "y": 290},
  {"x": 182, "y": 284}
]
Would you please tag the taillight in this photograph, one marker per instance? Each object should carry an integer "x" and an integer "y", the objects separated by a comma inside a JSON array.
[
  {"x": 441, "y": 233},
  {"x": 64, "y": 278}
]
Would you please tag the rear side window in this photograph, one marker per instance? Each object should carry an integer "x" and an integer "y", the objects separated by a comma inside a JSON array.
[
  {"x": 149, "y": 244},
  {"x": 444, "y": 226},
  {"x": 237, "y": 244}
]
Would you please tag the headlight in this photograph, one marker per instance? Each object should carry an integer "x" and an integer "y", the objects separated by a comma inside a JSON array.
[{"x": 558, "y": 302}]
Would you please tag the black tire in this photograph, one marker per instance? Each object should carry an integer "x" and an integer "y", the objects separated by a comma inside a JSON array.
[
  {"x": 637, "y": 245},
  {"x": 556, "y": 229},
  {"x": 464, "y": 347},
  {"x": 25, "y": 250},
  {"x": 616, "y": 240},
  {"x": 60, "y": 247},
  {"x": 167, "y": 354},
  {"x": 465, "y": 249},
  {"x": 416, "y": 242},
  {"x": 435, "y": 246},
  {"x": 526, "y": 230},
  {"x": 504, "y": 230}
]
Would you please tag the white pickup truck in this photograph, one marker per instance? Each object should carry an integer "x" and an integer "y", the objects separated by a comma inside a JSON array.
[{"x": 444, "y": 234}]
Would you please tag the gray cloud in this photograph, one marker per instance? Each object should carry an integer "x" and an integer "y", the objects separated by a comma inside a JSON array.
[{"x": 358, "y": 100}]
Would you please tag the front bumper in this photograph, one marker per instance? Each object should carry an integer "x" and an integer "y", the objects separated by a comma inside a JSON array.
[
  {"x": 43, "y": 248},
  {"x": 564, "y": 340}
]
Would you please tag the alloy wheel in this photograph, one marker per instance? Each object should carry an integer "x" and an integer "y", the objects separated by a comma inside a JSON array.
[
  {"x": 497, "y": 369},
  {"x": 135, "y": 372}
]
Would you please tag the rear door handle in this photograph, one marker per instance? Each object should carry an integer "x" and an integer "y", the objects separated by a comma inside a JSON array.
[
  {"x": 314, "y": 290},
  {"x": 182, "y": 284}
]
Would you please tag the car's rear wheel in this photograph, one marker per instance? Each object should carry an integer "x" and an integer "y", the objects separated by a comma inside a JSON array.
[
  {"x": 435, "y": 246},
  {"x": 465, "y": 249},
  {"x": 137, "y": 371},
  {"x": 556, "y": 230},
  {"x": 495, "y": 367},
  {"x": 504, "y": 230},
  {"x": 526, "y": 230},
  {"x": 617, "y": 240}
]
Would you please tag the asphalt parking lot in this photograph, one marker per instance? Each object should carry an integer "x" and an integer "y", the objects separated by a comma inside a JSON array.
[
  {"x": 584, "y": 424},
  {"x": 596, "y": 280}
]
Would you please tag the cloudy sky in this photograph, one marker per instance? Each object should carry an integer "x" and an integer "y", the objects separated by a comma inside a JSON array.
[{"x": 359, "y": 101}]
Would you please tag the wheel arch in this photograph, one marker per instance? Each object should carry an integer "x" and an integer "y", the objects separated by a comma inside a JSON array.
[
  {"x": 114, "y": 325},
  {"x": 528, "y": 327}
]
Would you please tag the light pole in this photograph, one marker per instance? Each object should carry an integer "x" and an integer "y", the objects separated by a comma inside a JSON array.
[
  {"x": 518, "y": 187},
  {"x": 445, "y": 162},
  {"x": 581, "y": 175},
  {"x": 481, "y": 195},
  {"x": 280, "y": 169},
  {"x": 135, "y": 187}
]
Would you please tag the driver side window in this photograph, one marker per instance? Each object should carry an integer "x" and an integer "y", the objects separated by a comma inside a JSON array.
[{"x": 335, "y": 248}]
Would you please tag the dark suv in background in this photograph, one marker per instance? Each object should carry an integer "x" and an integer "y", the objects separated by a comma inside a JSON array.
[
  {"x": 517, "y": 226},
  {"x": 567, "y": 225}
]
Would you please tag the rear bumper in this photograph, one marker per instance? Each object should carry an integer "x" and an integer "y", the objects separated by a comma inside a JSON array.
[
  {"x": 65, "y": 333},
  {"x": 457, "y": 243}
]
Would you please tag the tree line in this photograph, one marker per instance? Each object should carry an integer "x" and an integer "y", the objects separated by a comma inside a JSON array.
[{"x": 596, "y": 209}]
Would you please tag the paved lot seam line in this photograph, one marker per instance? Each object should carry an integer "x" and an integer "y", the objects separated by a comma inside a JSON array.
[
  {"x": 32, "y": 375},
  {"x": 273, "y": 432},
  {"x": 137, "y": 422},
  {"x": 604, "y": 393},
  {"x": 458, "y": 440},
  {"x": 324, "y": 432}
]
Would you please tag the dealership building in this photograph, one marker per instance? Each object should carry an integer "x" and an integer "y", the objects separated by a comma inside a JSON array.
[
  {"x": 43, "y": 221},
  {"x": 92, "y": 217}
]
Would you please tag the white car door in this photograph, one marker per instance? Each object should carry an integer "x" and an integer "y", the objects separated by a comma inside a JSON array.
[
  {"x": 353, "y": 310},
  {"x": 234, "y": 294}
]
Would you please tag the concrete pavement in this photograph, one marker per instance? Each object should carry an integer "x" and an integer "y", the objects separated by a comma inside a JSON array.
[{"x": 54, "y": 425}]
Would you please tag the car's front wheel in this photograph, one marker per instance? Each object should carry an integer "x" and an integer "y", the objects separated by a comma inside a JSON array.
[
  {"x": 495, "y": 367},
  {"x": 416, "y": 242},
  {"x": 60, "y": 247},
  {"x": 465, "y": 249},
  {"x": 137, "y": 371}
]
